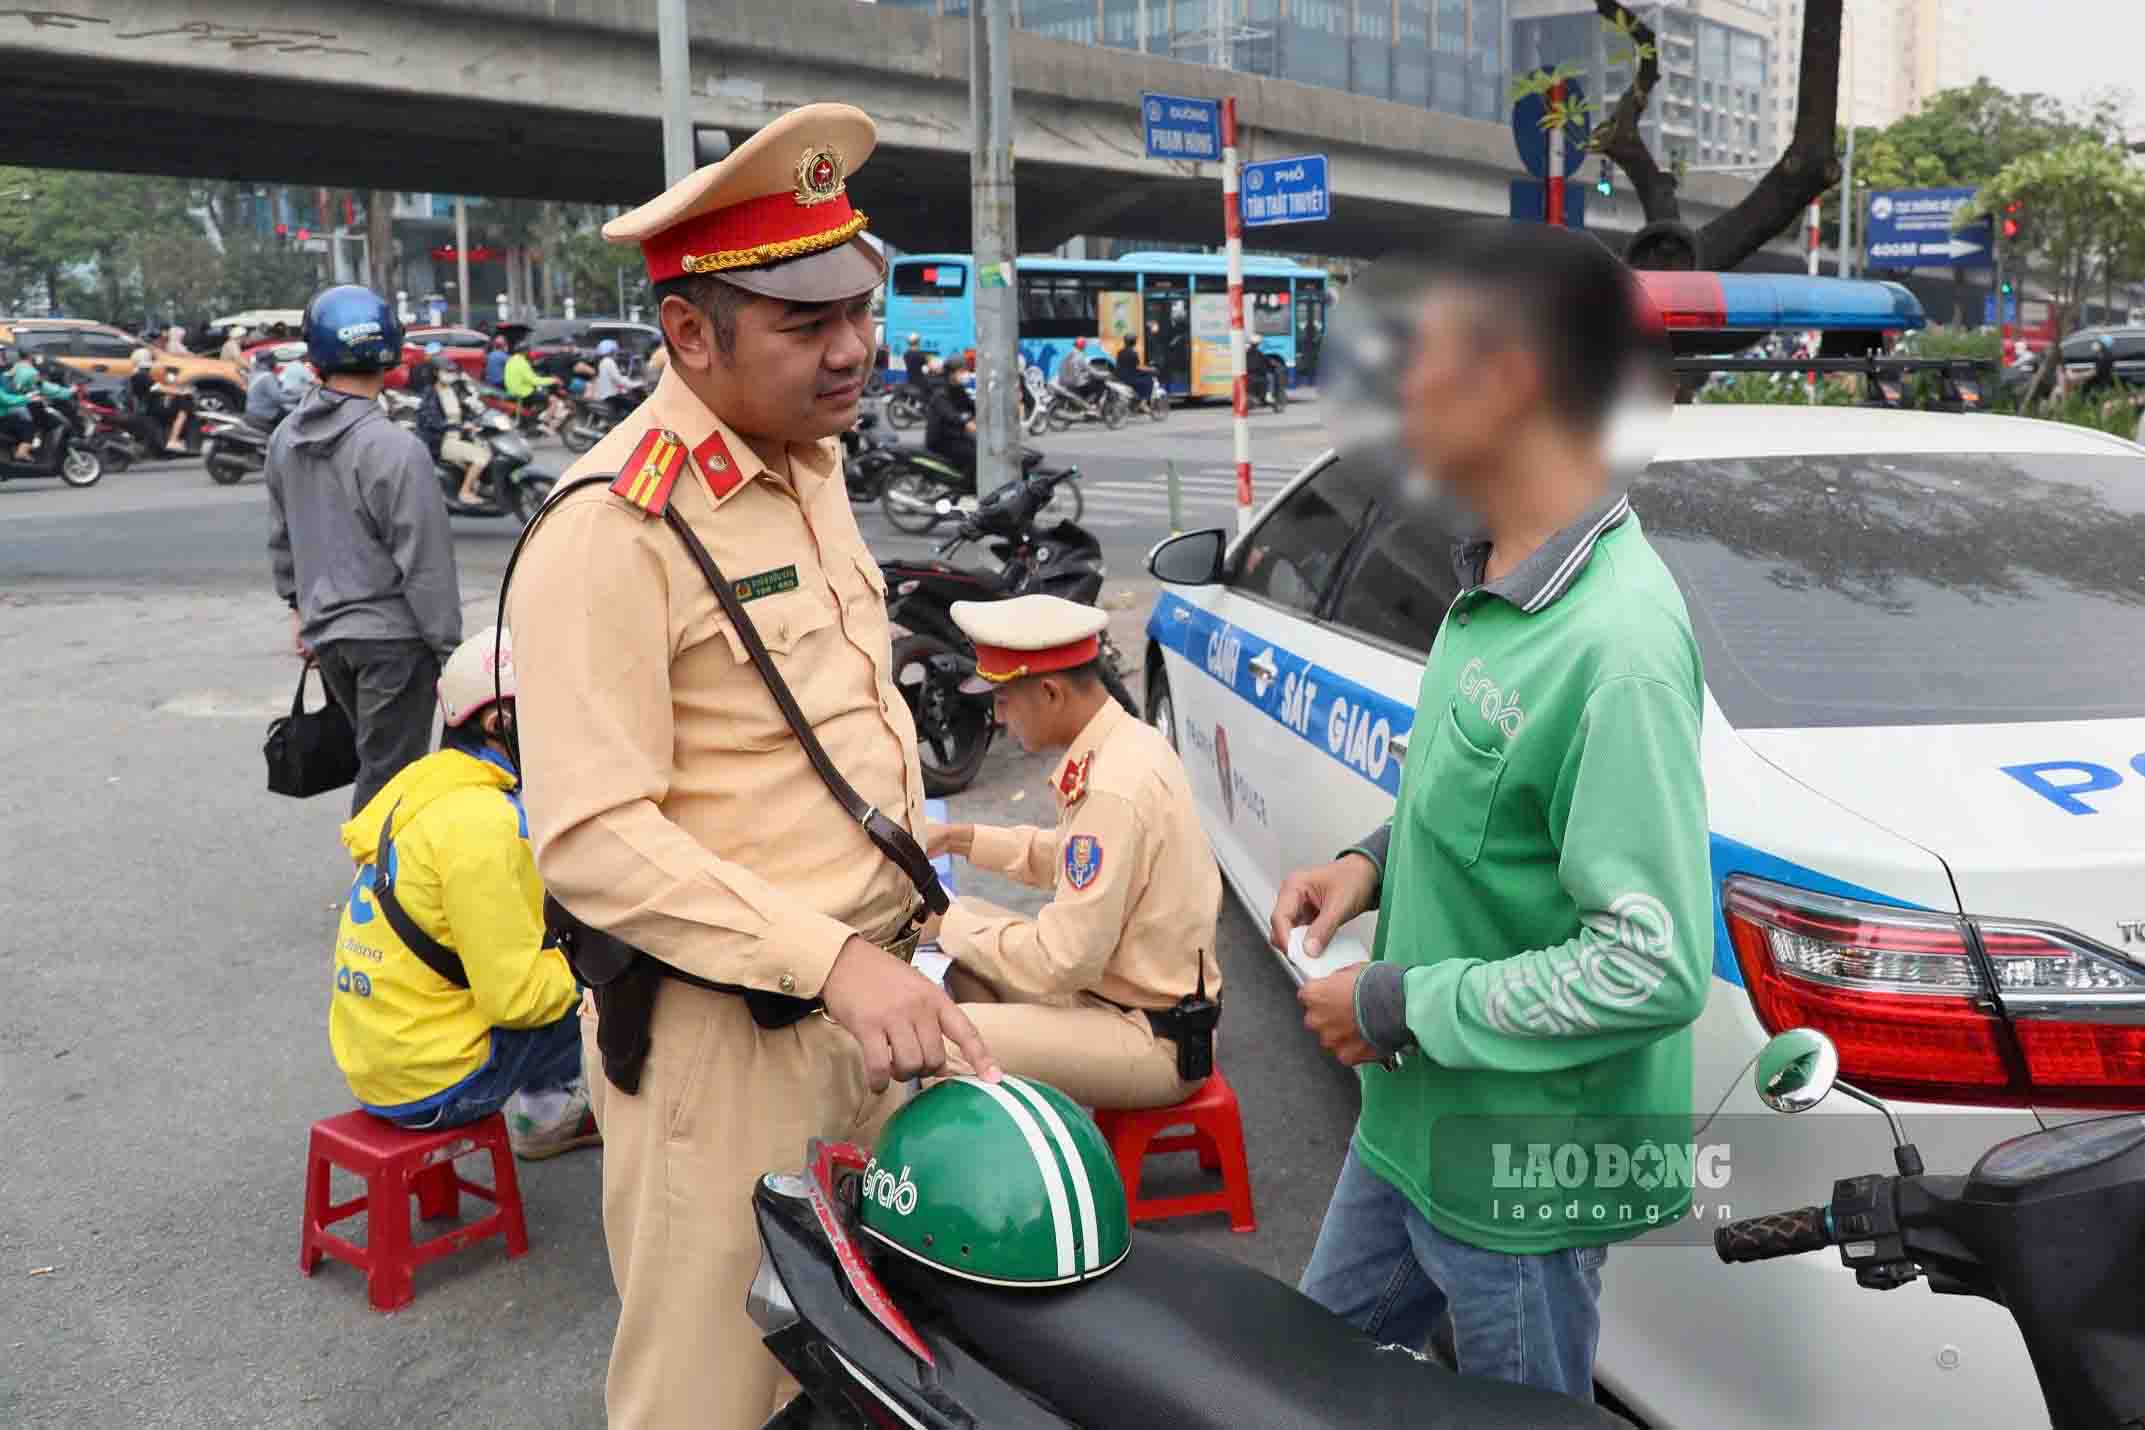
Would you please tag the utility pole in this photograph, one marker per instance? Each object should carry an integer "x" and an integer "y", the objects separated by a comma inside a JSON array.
[
  {"x": 674, "y": 60},
  {"x": 461, "y": 256},
  {"x": 1849, "y": 209},
  {"x": 990, "y": 194}
]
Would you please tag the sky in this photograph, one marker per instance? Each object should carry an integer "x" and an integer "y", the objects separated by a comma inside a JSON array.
[{"x": 2066, "y": 48}]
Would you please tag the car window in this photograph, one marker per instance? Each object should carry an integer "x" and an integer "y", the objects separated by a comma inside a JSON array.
[
  {"x": 1293, "y": 554},
  {"x": 2129, "y": 346},
  {"x": 1402, "y": 583},
  {"x": 33, "y": 340},
  {"x": 2078, "y": 350},
  {"x": 1909, "y": 589},
  {"x": 102, "y": 345}
]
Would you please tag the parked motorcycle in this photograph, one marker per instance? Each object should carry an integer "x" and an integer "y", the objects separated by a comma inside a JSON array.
[
  {"x": 1175, "y": 1335},
  {"x": 2050, "y": 1226},
  {"x": 868, "y": 453},
  {"x": 932, "y": 655},
  {"x": 231, "y": 448},
  {"x": 920, "y": 490},
  {"x": 64, "y": 447}
]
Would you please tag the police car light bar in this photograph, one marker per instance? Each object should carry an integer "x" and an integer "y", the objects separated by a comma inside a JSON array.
[{"x": 1763, "y": 302}]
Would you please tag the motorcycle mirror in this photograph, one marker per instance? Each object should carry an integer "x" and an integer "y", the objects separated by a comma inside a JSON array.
[
  {"x": 1193, "y": 559},
  {"x": 1796, "y": 1070}
]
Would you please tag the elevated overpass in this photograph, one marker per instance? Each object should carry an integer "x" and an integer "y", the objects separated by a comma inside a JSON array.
[{"x": 559, "y": 99}]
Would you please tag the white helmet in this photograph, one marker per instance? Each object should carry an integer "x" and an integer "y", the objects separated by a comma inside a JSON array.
[{"x": 466, "y": 685}]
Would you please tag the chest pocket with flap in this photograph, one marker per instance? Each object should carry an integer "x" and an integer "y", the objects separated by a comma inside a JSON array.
[{"x": 1459, "y": 787}]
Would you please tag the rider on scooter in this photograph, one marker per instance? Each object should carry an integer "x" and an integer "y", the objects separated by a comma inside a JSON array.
[
  {"x": 950, "y": 423},
  {"x": 1077, "y": 378},
  {"x": 16, "y": 420}
]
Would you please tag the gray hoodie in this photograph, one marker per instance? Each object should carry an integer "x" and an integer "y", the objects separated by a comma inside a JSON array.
[{"x": 358, "y": 529}]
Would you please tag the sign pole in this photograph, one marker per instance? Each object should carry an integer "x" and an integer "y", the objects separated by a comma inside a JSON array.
[
  {"x": 992, "y": 237},
  {"x": 1232, "y": 224},
  {"x": 1554, "y": 205},
  {"x": 1817, "y": 216}
]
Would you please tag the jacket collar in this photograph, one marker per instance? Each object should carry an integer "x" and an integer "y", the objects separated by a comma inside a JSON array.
[
  {"x": 1068, "y": 780},
  {"x": 726, "y": 462},
  {"x": 1549, "y": 570}
]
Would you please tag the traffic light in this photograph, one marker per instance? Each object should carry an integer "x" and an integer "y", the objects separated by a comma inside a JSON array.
[
  {"x": 282, "y": 230},
  {"x": 1605, "y": 183},
  {"x": 2014, "y": 222},
  {"x": 304, "y": 234},
  {"x": 2007, "y": 287}
]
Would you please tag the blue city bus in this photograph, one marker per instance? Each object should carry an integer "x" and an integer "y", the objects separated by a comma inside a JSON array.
[{"x": 1176, "y": 305}]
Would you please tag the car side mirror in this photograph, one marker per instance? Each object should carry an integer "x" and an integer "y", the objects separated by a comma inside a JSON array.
[{"x": 1193, "y": 559}]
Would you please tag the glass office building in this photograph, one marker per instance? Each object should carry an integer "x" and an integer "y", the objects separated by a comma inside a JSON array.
[{"x": 1447, "y": 55}]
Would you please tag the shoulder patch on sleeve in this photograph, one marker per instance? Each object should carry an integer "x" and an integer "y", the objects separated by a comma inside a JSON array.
[
  {"x": 649, "y": 474},
  {"x": 1083, "y": 860},
  {"x": 717, "y": 466}
]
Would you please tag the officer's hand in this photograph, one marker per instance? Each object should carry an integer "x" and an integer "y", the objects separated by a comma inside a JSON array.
[
  {"x": 901, "y": 1020},
  {"x": 948, "y": 838},
  {"x": 1329, "y": 1011},
  {"x": 1324, "y": 897}
]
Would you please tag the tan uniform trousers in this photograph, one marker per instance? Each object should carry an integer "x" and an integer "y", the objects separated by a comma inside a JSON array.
[
  {"x": 721, "y": 1101},
  {"x": 1096, "y": 1054}
]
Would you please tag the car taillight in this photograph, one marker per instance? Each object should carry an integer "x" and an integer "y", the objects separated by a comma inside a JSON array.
[{"x": 1907, "y": 997}]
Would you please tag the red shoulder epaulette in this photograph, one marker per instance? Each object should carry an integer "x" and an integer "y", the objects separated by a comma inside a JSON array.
[{"x": 649, "y": 474}]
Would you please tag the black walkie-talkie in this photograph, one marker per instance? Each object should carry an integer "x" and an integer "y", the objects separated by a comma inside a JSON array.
[{"x": 1192, "y": 1022}]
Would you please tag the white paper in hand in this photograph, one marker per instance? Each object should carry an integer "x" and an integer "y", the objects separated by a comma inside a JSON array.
[{"x": 1335, "y": 956}]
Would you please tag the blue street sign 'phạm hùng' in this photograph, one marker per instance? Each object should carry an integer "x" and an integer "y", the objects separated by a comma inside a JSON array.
[
  {"x": 1285, "y": 191},
  {"x": 1911, "y": 228},
  {"x": 1180, "y": 128}
]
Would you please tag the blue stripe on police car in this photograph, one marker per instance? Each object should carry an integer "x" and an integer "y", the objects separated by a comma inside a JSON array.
[{"x": 1351, "y": 723}]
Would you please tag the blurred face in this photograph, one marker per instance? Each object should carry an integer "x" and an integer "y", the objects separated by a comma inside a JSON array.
[
  {"x": 793, "y": 373},
  {"x": 1022, "y": 707},
  {"x": 1464, "y": 388}
]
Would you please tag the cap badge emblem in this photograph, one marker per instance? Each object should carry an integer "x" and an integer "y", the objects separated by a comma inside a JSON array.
[{"x": 819, "y": 176}]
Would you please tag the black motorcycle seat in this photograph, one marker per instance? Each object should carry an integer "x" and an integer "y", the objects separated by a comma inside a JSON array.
[{"x": 1186, "y": 1338}]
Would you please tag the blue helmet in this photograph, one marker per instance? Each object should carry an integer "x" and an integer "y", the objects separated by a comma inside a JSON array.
[
  {"x": 351, "y": 329},
  {"x": 607, "y": 347}
]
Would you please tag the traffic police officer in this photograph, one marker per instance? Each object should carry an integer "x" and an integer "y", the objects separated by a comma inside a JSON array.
[
  {"x": 670, "y": 803},
  {"x": 1088, "y": 995}
]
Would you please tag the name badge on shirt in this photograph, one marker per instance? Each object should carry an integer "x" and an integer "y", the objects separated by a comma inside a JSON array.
[{"x": 766, "y": 583}]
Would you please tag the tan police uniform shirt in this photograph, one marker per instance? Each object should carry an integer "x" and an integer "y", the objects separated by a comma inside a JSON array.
[
  {"x": 1137, "y": 893},
  {"x": 668, "y": 800}
]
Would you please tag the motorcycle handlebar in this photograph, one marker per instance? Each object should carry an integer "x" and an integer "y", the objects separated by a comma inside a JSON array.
[{"x": 1761, "y": 1238}]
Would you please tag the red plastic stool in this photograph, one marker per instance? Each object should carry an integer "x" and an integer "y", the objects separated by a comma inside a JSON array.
[
  {"x": 396, "y": 1165},
  {"x": 1217, "y": 1135}
]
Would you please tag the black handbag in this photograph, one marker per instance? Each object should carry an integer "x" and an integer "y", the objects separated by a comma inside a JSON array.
[{"x": 310, "y": 752}]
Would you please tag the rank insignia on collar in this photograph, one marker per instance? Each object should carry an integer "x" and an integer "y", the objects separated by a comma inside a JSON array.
[
  {"x": 717, "y": 465},
  {"x": 648, "y": 475},
  {"x": 1072, "y": 784}
]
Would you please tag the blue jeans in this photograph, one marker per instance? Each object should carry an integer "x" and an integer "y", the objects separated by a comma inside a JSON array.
[
  {"x": 535, "y": 1059},
  {"x": 1380, "y": 1264}
]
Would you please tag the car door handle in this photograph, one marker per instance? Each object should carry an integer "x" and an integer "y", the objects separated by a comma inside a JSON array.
[
  {"x": 1263, "y": 664},
  {"x": 1399, "y": 745},
  {"x": 1181, "y": 614}
]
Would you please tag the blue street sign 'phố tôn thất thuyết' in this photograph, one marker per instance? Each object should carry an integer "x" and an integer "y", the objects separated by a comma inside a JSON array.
[
  {"x": 1285, "y": 191},
  {"x": 1912, "y": 228},
  {"x": 1181, "y": 128}
]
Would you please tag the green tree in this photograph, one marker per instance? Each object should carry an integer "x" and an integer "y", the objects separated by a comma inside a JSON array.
[{"x": 2084, "y": 202}]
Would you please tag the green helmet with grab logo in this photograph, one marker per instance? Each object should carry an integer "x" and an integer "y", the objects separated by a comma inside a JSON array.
[{"x": 1007, "y": 1182}]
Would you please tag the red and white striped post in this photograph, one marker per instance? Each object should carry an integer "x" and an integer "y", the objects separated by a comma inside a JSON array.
[
  {"x": 1553, "y": 203},
  {"x": 1232, "y": 226},
  {"x": 1816, "y": 215}
]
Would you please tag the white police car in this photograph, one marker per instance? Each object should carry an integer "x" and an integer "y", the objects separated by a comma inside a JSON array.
[{"x": 1924, "y": 749}]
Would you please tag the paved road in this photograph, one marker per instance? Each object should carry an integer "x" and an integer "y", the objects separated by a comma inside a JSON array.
[{"x": 164, "y": 932}]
